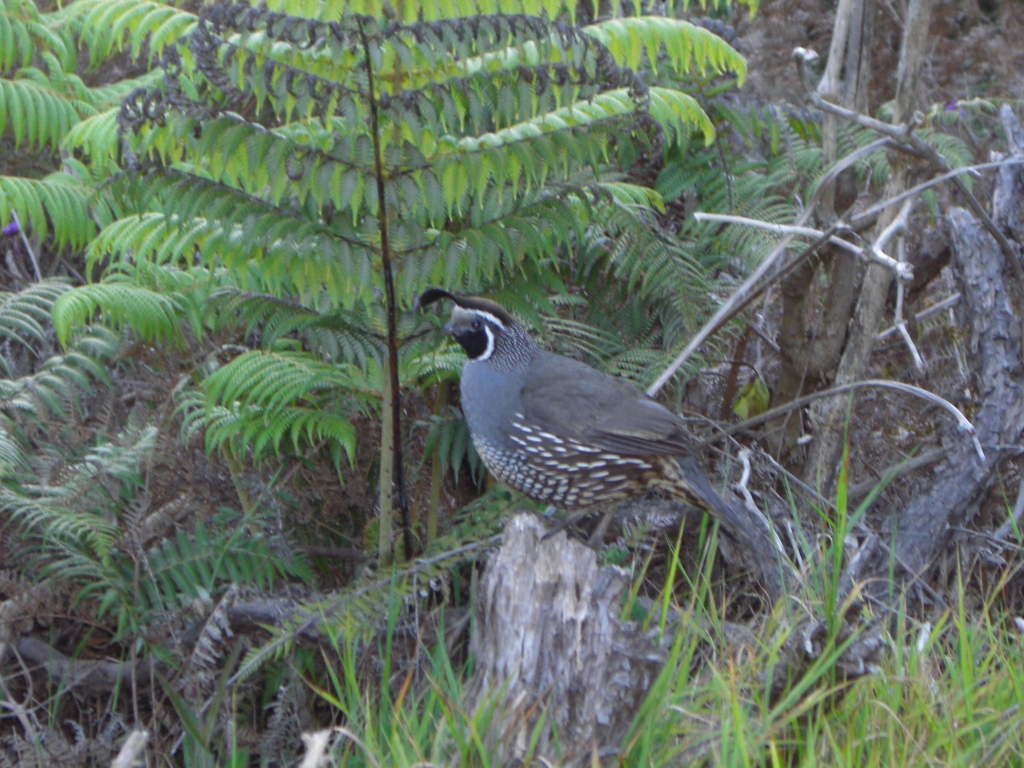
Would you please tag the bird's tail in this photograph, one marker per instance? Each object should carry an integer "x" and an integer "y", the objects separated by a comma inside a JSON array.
[{"x": 685, "y": 481}]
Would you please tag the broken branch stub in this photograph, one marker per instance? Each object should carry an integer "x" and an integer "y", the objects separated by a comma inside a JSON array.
[{"x": 548, "y": 644}]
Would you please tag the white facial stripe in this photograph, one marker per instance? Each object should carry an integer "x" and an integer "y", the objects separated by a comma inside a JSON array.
[
  {"x": 460, "y": 312},
  {"x": 490, "y": 345},
  {"x": 491, "y": 318}
]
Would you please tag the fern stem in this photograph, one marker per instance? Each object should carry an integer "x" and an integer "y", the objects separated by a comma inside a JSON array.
[
  {"x": 236, "y": 470},
  {"x": 392, "y": 398},
  {"x": 387, "y": 474}
]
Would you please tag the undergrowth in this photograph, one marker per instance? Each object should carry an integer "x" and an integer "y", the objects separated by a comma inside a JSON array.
[{"x": 948, "y": 692}]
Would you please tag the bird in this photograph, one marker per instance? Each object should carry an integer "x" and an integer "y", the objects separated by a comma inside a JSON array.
[{"x": 562, "y": 432}]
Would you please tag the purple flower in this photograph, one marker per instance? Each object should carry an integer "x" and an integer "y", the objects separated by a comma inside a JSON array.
[{"x": 11, "y": 229}]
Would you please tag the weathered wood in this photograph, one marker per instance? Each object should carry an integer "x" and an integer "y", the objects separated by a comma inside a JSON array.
[
  {"x": 548, "y": 643},
  {"x": 1008, "y": 195},
  {"x": 99, "y": 676},
  {"x": 994, "y": 351}
]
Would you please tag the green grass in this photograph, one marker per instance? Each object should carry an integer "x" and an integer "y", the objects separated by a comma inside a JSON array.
[{"x": 947, "y": 695}]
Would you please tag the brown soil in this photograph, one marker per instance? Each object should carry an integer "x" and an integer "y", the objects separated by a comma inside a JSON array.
[{"x": 977, "y": 48}]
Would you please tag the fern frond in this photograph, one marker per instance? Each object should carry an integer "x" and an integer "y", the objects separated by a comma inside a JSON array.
[
  {"x": 55, "y": 522},
  {"x": 57, "y": 202},
  {"x": 261, "y": 398},
  {"x": 274, "y": 380},
  {"x": 12, "y": 457},
  {"x": 449, "y": 439},
  {"x": 153, "y": 315},
  {"x": 37, "y": 115},
  {"x": 25, "y": 32},
  {"x": 264, "y": 431},
  {"x": 639, "y": 42},
  {"x": 633, "y": 195},
  {"x": 96, "y": 137},
  {"x": 104, "y": 25},
  {"x": 58, "y": 381},
  {"x": 23, "y": 314}
]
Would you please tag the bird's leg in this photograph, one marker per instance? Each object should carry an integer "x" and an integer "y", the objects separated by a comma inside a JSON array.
[
  {"x": 566, "y": 522},
  {"x": 597, "y": 537}
]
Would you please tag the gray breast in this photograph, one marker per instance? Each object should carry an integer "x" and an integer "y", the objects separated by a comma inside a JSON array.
[{"x": 490, "y": 398}]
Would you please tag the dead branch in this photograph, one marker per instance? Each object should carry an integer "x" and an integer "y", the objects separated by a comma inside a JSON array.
[
  {"x": 920, "y": 317},
  {"x": 158, "y": 523},
  {"x": 860, "y": 490},
  {"x": 346, "y": 554},
  {"x": 903, "y": 134},
  {"x": 94, "y": 676},
  {"x": 901, "y": 326},
  {"x": 770, "y": 270},
  {"x": 995, "y": 349},
  {"x": 870, "y": 306},
  {"x": 873, "y": 254}
]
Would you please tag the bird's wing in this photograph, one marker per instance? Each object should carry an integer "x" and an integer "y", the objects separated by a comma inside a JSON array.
[{"x": 573, "y": 400}]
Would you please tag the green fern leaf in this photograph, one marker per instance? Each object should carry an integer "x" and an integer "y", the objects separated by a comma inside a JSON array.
[
  {"x": 153, "y": 315},
  {"x": 57, "y": 202}
]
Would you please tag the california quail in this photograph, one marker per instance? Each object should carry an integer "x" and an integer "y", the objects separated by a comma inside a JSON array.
[{"x": 560, "y": 431}]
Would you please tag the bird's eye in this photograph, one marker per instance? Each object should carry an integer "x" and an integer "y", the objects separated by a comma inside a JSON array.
[{"x": 476, "y": 325}]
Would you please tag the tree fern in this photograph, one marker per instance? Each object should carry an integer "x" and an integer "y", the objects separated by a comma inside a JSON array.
[{"x": 347, "y": 164}]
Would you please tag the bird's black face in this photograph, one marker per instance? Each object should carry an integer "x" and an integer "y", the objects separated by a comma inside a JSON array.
[{"x": 477, "y": 332}]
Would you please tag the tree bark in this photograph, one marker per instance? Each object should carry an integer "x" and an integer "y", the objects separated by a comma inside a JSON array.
[
  {"x": 548, "y": 643},
  {"x": 994, "y": 351},
  {"x": 830, "y": 415},
  {"x": 385, "y": 529},
  {"x": 806, "y": 354}
]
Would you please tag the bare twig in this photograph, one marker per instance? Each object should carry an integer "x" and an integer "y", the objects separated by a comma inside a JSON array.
[
  {"x": 19, "y": 710},
  {"x": 898, "y": 315},
  {"x": 865, "y": 215},
  {"x": 748, "y": 500},
  {"x": 933, "y": 310},
  {"x": 28, "y": 247},
  {"x": 875, "y": 254},
  {"x": 962, "y": 422},
  {"x": 904, "y": 134},
  {"x": 897, "y": 227},
  {"x": 753, "y": 286},
  {"x": 760, "y": 332}
]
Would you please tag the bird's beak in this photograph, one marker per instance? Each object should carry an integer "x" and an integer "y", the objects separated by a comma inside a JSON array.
[{"x": 449, "y": 328}]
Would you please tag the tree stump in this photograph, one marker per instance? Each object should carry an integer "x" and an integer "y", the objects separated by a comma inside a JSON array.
[{"x": 548, "y": 644}]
